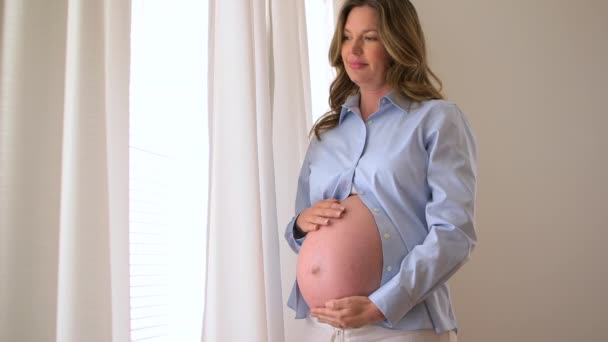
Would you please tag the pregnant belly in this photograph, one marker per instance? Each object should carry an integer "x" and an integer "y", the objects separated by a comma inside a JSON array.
[{"x": 343, "y": 259}]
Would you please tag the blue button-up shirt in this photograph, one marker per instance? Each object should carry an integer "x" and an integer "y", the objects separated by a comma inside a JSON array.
[{"x": 413, "y": 164}]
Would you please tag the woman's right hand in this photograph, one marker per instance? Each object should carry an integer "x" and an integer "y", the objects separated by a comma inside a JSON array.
[{"x": 318, "y": 215}]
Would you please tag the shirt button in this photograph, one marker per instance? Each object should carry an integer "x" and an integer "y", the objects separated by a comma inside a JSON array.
[
  {"x": 376, "y": 210},
  {"x": 389, "y": 268},
  {"x": 369, "y": 122},
  {"x": 387, "y": 235},
  {"x": 361, "y": 192}
]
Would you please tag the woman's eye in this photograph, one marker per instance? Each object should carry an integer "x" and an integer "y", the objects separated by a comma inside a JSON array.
[
  {"x": 345, "y": 38},
  {"x": 371, "y": 38}
]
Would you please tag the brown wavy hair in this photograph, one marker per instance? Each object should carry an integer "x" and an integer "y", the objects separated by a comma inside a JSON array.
[{"x": 409, "y": 75}]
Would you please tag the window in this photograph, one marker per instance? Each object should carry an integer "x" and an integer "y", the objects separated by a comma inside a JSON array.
[
  {"x": 168, "y": 169},
  {"x": 320, "y": 27},
  {"x": 169, "y": 159}
]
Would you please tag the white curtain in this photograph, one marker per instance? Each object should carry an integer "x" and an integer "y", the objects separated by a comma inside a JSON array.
[
  {"x": 64, "y": 170},
  {"x": 258, "y": 107}
]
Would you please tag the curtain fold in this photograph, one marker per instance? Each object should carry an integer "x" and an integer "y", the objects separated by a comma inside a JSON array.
[
  {"x": 291, "y": 121},
  {"x": 258, "y": 98},
  {"x": 64, "y": 171}
]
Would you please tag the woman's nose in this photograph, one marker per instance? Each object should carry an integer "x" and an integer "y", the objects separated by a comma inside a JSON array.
[{"x": 356, "y": 47}]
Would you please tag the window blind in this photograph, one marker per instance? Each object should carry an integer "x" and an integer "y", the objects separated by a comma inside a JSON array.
[
  {"x": 148, "y": 231},
  {"x": 168, "y": 169}
]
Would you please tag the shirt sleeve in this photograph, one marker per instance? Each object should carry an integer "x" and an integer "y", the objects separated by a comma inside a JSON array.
[
  {"x": 451, "y": 178},
  {"x": 302, "y": 202}
]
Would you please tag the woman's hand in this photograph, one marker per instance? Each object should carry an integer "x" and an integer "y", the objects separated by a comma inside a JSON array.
[
  {"x": 349, "y": 312},
  {"x": 319, "y": 214}
]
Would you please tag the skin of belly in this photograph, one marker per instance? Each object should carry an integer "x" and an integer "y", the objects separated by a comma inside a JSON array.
[{"x": 342, "y": 259}]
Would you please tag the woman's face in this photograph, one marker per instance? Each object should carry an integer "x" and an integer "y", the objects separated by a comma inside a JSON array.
[{"x": 363, "y": 54}]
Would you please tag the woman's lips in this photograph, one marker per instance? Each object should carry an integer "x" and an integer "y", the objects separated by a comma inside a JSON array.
[{"x": 356, "y": 65}]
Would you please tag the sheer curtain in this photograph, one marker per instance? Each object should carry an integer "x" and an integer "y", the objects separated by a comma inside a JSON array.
[
  {"x": 259, "y": 102},
  {"x": 64, "y": 170}
]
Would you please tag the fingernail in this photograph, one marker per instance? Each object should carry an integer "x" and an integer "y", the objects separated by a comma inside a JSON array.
[{"x": 326, "y": 221}]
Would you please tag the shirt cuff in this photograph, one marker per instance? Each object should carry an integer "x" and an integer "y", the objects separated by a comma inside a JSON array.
[
  {"x": 294, "y": 243},
  {"x": 393, "y": 301}
]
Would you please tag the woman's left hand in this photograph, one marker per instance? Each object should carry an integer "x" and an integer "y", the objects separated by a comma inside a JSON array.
[{"x": 349, "y": 312}]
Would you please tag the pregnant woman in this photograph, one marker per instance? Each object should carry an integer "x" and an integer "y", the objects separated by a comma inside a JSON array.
[{"x": 385, "y": 197}]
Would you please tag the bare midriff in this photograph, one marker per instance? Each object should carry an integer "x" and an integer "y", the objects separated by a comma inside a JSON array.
[{"x": 342, "y": 259}]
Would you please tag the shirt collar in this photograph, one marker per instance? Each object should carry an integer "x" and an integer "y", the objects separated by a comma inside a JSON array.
[
  {"x": 348, "y": 106},
  {"x": 399, "y": 101},
  {"x": 352, "y": 102}
]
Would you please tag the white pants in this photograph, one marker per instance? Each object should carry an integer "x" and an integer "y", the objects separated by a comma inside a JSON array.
[{"x": 319, "y": 332}]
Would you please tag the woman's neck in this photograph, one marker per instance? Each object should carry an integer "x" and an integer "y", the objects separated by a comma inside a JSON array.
[{"x": 370, "y": 99}]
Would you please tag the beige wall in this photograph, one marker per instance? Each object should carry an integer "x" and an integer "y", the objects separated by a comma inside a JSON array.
[{"x": 532, "y": 77}]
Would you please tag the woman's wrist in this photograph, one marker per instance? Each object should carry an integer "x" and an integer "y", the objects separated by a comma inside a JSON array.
[{"x": 298, "y": 233}]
